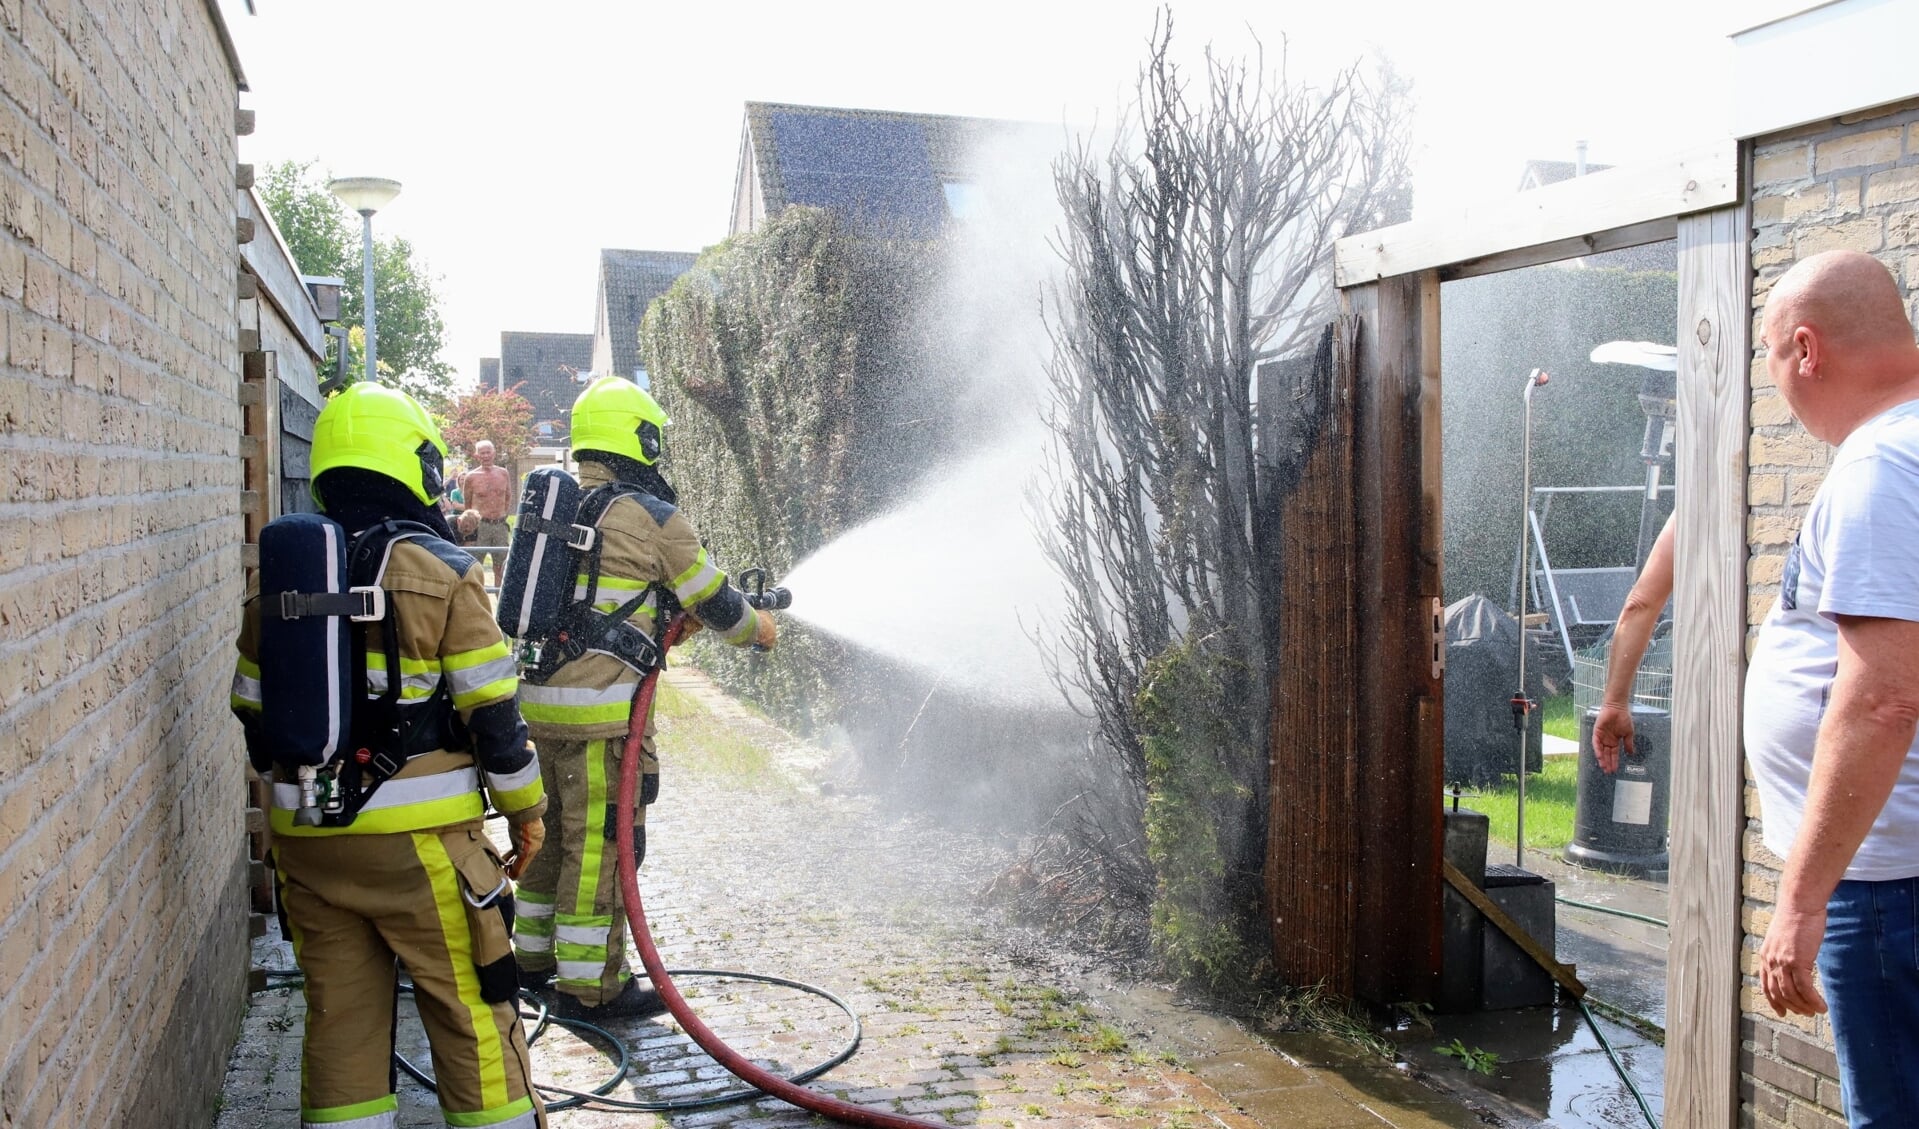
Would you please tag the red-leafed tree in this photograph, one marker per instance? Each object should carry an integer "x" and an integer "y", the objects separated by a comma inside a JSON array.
[{"x": 504, "y": 417}]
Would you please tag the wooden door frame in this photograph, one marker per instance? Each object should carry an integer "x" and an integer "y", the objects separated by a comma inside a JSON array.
[{"x": 1697, "y": 198}]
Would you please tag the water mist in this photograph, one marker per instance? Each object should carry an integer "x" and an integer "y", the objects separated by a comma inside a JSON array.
[{"x": 954, "y": 582}]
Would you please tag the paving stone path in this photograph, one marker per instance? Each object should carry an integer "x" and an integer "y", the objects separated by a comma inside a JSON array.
[{"x": 967, "y": 1021}]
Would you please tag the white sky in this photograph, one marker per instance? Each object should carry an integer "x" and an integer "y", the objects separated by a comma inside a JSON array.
[{"x": 530, "y": 135}]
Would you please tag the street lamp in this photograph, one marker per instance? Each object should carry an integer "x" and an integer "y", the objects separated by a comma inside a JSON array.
[{"x": 366, "y": 195}]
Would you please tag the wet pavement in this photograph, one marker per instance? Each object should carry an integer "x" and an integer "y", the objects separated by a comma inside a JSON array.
[
  {"x": 966, "y": 1019},
  {"x": 1551, "y": 1068}
]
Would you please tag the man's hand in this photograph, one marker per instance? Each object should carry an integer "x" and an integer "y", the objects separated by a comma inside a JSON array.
[
  {"x": 528, "y": 838},
  {"x": 1786, "y": 961},
  {"x": 767, "y": 633},
  {"x": 1612, "y": 729}
]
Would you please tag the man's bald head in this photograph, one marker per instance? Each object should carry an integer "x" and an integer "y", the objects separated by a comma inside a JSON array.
[
  {"x": 1849, "y": 298},
  {"x": 1838, "y": 343}
]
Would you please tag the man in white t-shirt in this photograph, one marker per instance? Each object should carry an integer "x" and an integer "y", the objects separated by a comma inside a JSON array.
[{"x": 1832, "y": 695}]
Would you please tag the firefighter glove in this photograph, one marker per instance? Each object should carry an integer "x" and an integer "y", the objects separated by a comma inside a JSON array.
[
  {"x": 767, "y": 633},
  {"x": 528, "y": 838}
]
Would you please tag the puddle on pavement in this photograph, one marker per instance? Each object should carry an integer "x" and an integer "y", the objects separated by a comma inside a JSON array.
[
  {"x": 1551, "y": 1068},
  {"x": 1290, "y": 1079}
]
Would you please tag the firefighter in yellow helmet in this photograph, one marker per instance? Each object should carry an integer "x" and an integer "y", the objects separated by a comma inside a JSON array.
[
  {"x": 411, "y": 877},
  {"x": 570, "y": 923}
]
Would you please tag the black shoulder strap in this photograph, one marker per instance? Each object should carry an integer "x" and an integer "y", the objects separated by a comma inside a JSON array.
[
  {"x": 366, "y": 556},
  {"x": 365, "y": 565},
  {"x": 390, "y": 736},
  {"x": 593, "y": 509}
]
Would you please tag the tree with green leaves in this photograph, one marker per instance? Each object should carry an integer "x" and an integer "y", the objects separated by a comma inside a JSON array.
[
  {"x": 504, "y": 418},
  {"x": 324, "y": 238}
]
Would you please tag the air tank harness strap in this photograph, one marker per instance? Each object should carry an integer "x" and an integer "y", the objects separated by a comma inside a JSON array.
[
  {"x": 591, "y": 630},
  {"x": 580, "y": 537},
  {"x": 361, "y": 605}
]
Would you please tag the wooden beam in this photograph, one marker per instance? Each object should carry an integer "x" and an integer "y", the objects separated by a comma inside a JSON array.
[
  {"x": 1694, "y": 181},
  {"x": 1709, "y": 617},
  {"x": 1652, "y": 231},
  {"x": 279, "y": 279},
  {"x": 1563, "y": 974}
]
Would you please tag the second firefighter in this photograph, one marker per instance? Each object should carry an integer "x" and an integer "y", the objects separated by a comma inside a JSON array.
[{"x": 570, "y": 925}]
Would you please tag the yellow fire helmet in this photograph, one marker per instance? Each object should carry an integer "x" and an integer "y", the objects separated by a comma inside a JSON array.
[
  {"x": 618, "y": 416},
  {"x": 383, "y": 430}
]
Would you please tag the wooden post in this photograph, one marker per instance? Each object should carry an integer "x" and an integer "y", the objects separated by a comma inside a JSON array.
[
  {"x": 1399, "y": 774},
  {"x": 1355, "y": 845},
  {"x": 1702, "y": 968},
  {"x": 1312, "y": 847}
]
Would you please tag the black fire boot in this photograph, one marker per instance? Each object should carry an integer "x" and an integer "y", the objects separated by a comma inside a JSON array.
[{"x": 633, "y": 1002}]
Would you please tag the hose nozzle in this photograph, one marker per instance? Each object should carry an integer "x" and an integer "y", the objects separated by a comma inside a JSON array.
[{"x": 758, "y": 595}]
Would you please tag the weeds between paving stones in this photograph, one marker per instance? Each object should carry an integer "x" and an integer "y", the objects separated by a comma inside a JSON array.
[{"x": 1472, "y": 1058}]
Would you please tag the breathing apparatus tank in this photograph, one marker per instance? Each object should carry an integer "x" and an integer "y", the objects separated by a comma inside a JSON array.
[
  {"x": 538, "y": 580},
  {"x": 307, "y": 679}
]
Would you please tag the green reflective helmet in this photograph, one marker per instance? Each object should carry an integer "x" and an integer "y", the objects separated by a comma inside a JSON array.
[
  {"x": 383, "y": 430},
  {"x": 617, "y": 416}
]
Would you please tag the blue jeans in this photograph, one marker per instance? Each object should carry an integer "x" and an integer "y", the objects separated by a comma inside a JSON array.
[{"x": 1869, "y": 968}]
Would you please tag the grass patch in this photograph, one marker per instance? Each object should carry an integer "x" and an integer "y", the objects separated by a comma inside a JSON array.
[
  {"x": 699, "y": 742},
  {"x": 1550, "y": 798},
  {"x": 1559, "y": 717},
  {"x": 673, "y": 704}
]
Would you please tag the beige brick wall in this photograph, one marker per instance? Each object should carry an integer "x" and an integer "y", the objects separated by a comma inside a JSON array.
[
  {"x": 122, "y": 930},
  {"x": 1852, "y": 183}
]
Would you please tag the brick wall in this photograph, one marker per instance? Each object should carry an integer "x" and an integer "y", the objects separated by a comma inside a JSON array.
[
  {"x": 122, "y": 928},
  {"x": 1852, "y": 183}
]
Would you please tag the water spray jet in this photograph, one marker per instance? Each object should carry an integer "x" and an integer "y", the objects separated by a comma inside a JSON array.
[{"x": 952, "y": 583}]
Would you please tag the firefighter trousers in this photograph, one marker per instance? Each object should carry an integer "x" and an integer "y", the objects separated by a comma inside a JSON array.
[
  {"x": 570, "y": 918},
  {"x": 354, "y": 904}
]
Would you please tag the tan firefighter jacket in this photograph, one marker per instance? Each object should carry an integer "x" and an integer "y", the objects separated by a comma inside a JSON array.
[{"x": 644, "y": 541}]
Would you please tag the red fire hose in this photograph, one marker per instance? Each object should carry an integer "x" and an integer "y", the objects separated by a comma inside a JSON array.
[{"x": 726, "y": 1056}]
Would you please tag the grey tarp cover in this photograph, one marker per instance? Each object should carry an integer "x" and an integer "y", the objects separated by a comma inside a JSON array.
[{"x": 1482, "y": 671}]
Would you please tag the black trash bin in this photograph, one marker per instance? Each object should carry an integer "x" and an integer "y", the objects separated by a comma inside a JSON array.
[{"x": 1620, "y": 825}]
